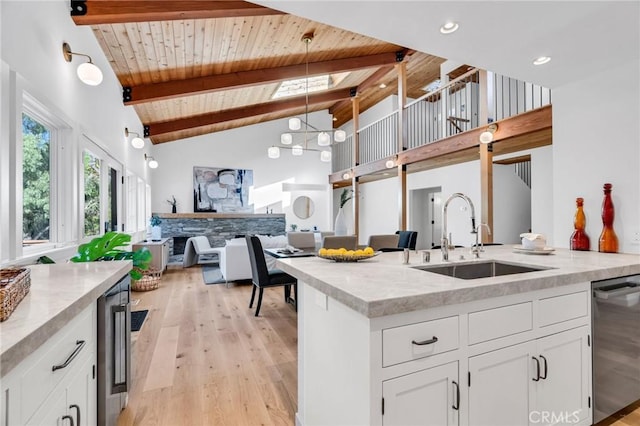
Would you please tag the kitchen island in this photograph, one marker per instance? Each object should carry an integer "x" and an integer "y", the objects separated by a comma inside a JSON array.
[
  {"x": 380, "y": 342},
  {"x": 48, "y": 348}
]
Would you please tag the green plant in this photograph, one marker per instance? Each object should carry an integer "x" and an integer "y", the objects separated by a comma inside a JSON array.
[
  {"x": 155, "y": 220},
  {"x": 345, "y": 196},
  {"x": 108, "y": 247},
  {"x": 294, "y": 227}
]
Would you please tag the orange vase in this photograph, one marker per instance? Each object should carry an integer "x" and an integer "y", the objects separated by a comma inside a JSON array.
[
  {"x": 579, "y": 238},
  {"x": 608, "y": 242}
]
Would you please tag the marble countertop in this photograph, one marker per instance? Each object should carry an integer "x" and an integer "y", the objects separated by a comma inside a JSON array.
[
  {"x": 383, "y": 286},
  {"x": 58, "y": 293}
]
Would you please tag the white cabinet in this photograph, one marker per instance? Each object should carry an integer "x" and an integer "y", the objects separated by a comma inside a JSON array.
[
  {"x": 429, "y": 398},
  {"x": 55, "y": 385},
  {"x": 540, "y": 382},
  {"x": 159, "y": 252}
]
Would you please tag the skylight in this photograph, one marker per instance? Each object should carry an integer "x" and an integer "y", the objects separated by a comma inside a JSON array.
[{"x": 316, "y": 84}]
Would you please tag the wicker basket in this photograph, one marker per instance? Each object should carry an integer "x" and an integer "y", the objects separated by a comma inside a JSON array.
[
  {"x": 14, "y": 286},
  {"x": 149, "y": 281}
]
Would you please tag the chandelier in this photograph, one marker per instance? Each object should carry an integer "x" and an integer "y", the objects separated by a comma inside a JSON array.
[{"x": 309, "y": 132}]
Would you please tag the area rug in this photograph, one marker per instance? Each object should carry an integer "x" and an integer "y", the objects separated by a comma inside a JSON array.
[
  {"x": 212, "y": 275},
  {"x": 137, "y": 318}
]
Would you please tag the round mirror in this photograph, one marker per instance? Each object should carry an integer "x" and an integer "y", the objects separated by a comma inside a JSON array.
[{"x": 303, "y": 207}]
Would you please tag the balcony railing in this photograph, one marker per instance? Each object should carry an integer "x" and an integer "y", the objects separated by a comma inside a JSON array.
[{"x": 451, "y": 109}]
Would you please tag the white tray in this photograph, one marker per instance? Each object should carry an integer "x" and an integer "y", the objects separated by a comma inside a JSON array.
[{"x": 518, "y": 248}]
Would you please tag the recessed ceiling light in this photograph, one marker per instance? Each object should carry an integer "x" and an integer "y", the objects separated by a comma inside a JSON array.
[
  {"x": 335, "y": 118},
  {"x": 382, "y": 85},
  {"x": 541, "y": 60},
  {"x": 449, "y": 27}
]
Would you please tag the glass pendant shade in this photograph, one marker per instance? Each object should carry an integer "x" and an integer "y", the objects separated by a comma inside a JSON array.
[
  {"x": 137, "y": 143},
  {"x": 153, "y": 164},
  {"x": 294, "y": 123},
  {"x": 296, "y": 150},
  {"x": 89, "y": 74},
  {"x": 286, "y": 139},
  {"x": 324, "y": 139},
  {"x": 340, "y": 136},
  {"x": 325, "y": 156},
  {"x": 273, "y": 152}
]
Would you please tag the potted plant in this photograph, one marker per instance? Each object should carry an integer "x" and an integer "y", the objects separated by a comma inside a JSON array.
[
  {"x": 174, "y": 204},
  {"x": 340, "y": 227},
  {"x": 156, "y": 230}
]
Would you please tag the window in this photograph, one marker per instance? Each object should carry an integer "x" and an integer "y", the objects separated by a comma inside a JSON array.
[
  {"x": 91, "y": 165},
  {"x": 317, "y": 83},
  {"x": 142, "y": 207},
  {"x": 36, "y": 181}
]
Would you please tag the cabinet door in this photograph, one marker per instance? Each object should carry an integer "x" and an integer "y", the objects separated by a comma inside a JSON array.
[
  {"x": 423, "y": 398},
  {"x": 562, "y": 397},
  {"x": 51, "y": 412},
  {"x": 501, "y": 386},
  {"x": 82, "y": 395}
]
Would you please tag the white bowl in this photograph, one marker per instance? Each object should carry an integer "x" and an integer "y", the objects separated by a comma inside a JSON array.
[{"x": 537, "y": 244}]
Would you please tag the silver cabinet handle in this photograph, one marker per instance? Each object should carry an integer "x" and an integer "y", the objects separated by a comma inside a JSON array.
[
  {"x": 426, "y": 342},
  {"x": 76, "y": 351},
  {"x": 77, "y": 412}
]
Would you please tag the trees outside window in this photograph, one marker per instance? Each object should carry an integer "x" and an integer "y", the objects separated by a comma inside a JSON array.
[{"x": 36, "y": 181}]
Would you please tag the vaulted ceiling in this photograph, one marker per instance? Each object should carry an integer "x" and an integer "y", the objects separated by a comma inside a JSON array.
[{"x": 195, "y": 67}]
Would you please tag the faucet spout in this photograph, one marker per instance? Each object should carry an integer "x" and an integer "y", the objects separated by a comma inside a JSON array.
[{"x": 444, "y": 241}]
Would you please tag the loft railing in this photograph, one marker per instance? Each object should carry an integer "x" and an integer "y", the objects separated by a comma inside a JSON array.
[{"x": 451, "y": 109}]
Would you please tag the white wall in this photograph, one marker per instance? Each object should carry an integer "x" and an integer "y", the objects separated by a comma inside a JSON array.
[
  {"x": 542, "y": 188},
  {"x": 596, "y": 139},
  {"x": 378, "y": 208},
  {"x": 511, "y": 204},
  {"x": 246, "y": 148}
]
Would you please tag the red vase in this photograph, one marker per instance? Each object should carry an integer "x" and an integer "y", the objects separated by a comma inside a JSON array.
[
  {"x": 608, "y": 242},
  {"x": 579, "y": 238}
]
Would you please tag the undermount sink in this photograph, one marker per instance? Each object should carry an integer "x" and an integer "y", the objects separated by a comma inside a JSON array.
[{"x": 480, "y": 269}]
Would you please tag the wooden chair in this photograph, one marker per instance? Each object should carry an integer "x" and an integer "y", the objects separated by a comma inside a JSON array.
[
  {"x": 349, "y": 242},
  {"x": 302, "y": 240},
  {"x": 263, "y": 277},
  {"x": 384, "y": 241}
]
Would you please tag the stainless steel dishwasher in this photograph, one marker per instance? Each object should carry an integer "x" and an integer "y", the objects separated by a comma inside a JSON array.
[{"x": 616, "y": 344}]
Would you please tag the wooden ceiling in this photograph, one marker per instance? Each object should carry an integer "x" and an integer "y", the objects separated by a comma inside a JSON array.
[{"x": 195, "y": 67}]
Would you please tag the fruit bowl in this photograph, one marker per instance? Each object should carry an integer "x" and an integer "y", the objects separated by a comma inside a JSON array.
[{"x": 346, "y": 257}]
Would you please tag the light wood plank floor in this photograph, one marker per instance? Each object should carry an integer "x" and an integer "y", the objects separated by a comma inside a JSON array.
[{"x": 202, "y": 358}]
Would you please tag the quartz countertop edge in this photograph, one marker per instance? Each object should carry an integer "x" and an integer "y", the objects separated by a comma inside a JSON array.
[
  {"x": 58, "y": 294},
  {"x": 383, "y": 286}
]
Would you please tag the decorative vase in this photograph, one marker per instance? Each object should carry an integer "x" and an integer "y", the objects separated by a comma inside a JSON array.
[
  {"x": 579, "y": 238},
  {"x": 156, "y": 232},
  {"x": 340, "y": 227},
  {"x": 174, "y": 209},
  {"x": 608, "y": 242}
]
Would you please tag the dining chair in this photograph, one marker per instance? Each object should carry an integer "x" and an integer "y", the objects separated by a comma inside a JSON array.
[
  {"x": 383, "y": 241},
  {"x": 407, "y": 239},
  {"x": 302, "y": 240},
  {"x": 349, "y": 242},
  {"x": 263, "y": 277}
]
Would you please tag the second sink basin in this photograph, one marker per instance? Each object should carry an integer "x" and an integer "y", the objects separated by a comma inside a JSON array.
[{"x": 481, "y": 269}]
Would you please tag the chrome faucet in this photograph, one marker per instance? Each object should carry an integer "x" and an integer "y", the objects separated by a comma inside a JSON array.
[
  {"x": 475, "y": 249},
  {"x": 444, "y": 242}
]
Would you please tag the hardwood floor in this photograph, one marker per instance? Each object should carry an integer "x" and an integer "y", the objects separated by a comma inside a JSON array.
[{"x": 202, "y": 358}]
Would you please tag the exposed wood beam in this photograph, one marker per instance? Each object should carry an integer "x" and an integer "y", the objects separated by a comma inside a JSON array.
[
  {"x": 163, "y": 127},
  {"x": 514, "y": 160},
  {"x": 373, "y": 79},
  {"x": 192, "y": 86},
  {"x": 95, "y": 12}
]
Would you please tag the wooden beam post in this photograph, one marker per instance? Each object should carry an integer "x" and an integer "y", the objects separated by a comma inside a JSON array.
[
  {"x": 402, "y": 145},
  {"x": 355, "y": 102},
  {"x": 486, "y": 190}
]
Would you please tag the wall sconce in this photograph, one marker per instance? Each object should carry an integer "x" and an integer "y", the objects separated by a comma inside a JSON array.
[
  {"x": 87, "y": 72},
  {"x": 151, "y": 162},
  {"x": 137, "y": 142},
  {"x": 487, "y": 135},
  {"x": 347, "y": 175},
  {"x": 391, "y": 163}
]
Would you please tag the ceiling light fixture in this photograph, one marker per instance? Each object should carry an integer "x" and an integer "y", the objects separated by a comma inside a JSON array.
[
  {"x": 87, "y": 72},
  {"x": 449, "y": 27},
  {"x": 487, "y": 135},
  {"x": 137, "y": 142},
  {"x": 151, "y": 162},
  {"x": 296, "y": 125},
  {"x": 541, "y": 60},
  {"x": 382, "y": 86}
]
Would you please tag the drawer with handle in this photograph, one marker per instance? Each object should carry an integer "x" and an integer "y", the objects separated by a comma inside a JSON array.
[
  {"x": 61, "y": 354},
  {"x": 414, "y": 341}
]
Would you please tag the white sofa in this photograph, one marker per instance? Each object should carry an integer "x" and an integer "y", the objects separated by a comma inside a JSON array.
[{"x": 234, "y": 256}]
